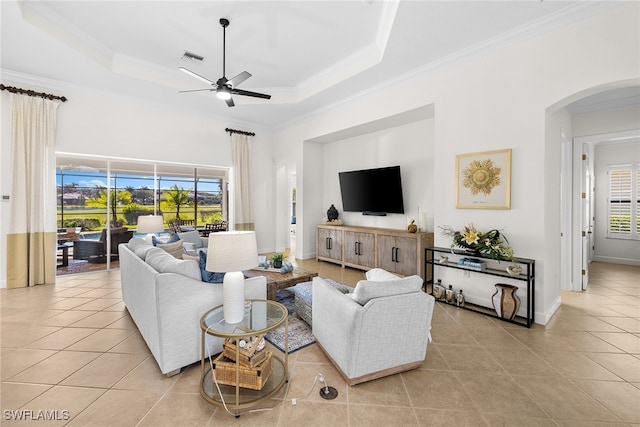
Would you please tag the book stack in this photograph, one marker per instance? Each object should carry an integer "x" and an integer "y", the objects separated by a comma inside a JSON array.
[{"x": 472, "y": 264}]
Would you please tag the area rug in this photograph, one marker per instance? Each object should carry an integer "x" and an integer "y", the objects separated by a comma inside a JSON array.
[{"x": 300, "y": 335}]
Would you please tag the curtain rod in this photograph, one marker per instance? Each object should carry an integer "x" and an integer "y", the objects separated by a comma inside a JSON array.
[
  {"x": 242, "y": 132},
  {"x": 13, "y": 89}
]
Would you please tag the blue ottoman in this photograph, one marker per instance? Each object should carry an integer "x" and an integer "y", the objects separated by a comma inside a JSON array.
[{"x": 303, "y": 296}]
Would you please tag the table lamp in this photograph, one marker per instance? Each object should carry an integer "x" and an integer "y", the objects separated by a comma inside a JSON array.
[
  {"x": 231, "y": 252},
  {"x": 150, "y": 224}
]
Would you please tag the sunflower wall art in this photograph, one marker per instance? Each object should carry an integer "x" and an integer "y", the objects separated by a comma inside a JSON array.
[{"x": 483, "y": 180}]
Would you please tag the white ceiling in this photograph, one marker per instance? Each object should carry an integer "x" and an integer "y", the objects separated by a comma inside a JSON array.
[{"x": 307, "y": 54}]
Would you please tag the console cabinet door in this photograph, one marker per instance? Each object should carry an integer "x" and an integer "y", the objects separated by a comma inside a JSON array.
[
  {"x": 386, "y": 246},
  {"x": 359, "y": 248},
  {"x": 406, "y": 256},
  {"x": 398, "y": 254},
  {"x": 329, "y": 244}
]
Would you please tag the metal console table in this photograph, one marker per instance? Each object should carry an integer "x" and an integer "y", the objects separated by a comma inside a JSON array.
[{"x": 528, "y": 275}]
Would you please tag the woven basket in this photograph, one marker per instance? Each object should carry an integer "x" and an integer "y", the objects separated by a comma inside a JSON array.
[{"x": 253, "y": 378}]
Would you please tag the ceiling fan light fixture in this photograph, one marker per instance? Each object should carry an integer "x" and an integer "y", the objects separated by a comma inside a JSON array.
[{"x": 223, "y": 93}]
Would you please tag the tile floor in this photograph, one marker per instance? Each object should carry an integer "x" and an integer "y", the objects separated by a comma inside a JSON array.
[{"x": 72, "y": 348}]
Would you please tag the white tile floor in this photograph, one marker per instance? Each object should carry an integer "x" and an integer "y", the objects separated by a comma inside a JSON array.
[{"x": 73, "y": 347}]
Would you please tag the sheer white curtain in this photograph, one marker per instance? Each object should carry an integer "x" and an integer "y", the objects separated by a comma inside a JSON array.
[
  {"x": 31, "y": 240},
  {"x": 241, "y": 147}
]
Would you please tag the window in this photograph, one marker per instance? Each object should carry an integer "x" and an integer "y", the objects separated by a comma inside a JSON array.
[
  {"x": 194, "y": 193},
  {"x": 624, "y": 192}
]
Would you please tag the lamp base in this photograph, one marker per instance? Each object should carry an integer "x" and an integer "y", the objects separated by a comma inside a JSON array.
[{"x": 233, "y": 297}]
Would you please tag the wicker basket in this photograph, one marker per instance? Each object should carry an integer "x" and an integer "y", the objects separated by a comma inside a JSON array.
[
  {"x": 253, "y": 378},
  {"x": 249, "y": 356}
]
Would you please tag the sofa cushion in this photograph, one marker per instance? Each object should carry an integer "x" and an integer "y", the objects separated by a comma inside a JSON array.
[
  {"x": 174, "y": 248},
  {"x": 208, "y": 276},
  {"x": 367, "y": 289},
  {"x": 136, "y": 242},
  {"x": 191, "y": 237},
  {"x": 163, "y": 262},
  {"x": 143, "y": 251},
  {"x": 380, "y": 275}
]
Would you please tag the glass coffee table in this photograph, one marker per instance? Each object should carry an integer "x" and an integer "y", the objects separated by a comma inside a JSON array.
[{"x": 260, "y": 317}]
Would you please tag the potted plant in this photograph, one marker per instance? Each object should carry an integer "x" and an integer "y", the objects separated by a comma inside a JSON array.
[{"x": 277, "y": 259}]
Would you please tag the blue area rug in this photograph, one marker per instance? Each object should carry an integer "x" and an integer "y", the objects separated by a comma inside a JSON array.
[{"x": 300, "y": 335}]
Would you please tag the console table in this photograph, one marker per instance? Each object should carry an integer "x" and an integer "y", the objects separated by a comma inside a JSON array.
[
  {"x": 432, "y": 260},
  {"x": 364, "y": 248}
]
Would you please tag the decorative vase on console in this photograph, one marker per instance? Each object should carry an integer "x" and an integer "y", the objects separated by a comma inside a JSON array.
[
  {"x": 505, "y": 301},
  {"x": 332, "y": 213}
]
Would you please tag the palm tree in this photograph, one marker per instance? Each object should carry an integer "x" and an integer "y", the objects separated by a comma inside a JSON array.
[
  {"x": 117, "y": 197},
  {"x": 175, "y": 198}
]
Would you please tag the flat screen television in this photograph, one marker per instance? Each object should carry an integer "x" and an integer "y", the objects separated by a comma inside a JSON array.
[{"x": 372, "y": 191}]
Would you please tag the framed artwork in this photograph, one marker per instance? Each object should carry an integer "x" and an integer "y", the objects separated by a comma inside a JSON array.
[{"x": 483, "y": 180}]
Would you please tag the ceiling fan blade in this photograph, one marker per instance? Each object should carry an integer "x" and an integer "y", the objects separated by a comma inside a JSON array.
[
  {"x": 230, "y": 102},
  {"x": 198, "y": 90},
  {"x": 197, "y": 76},
  {"x": 248, "y": 93},
  {"x": 235, "y": 81}
]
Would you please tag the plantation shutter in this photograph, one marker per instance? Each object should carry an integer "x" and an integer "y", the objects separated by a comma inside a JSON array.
[{"x": 620, "y": 189}]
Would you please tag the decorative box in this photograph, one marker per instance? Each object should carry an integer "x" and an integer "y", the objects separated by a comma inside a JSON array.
[{"x": 252, "y": 350}]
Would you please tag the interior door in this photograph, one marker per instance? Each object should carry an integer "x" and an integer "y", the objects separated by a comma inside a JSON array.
[{"x": 586, "y": 219}]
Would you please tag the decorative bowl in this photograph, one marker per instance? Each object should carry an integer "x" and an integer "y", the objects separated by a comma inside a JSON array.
[
  {"x": 443, "y": 260},
  {"x": 514, "y": 270}
]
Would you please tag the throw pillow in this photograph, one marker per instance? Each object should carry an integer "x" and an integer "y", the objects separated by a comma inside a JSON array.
[
  {"x": 191, "y": 237},
  {"x": 367, "y": 290},
  {"x": 380, "y": 275},
  {"x": 174, "y": 248},
  {"x": 208, "y": 276}
]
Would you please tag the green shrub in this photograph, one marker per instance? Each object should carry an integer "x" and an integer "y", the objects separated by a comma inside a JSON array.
[{"x": 132, "y": 211}]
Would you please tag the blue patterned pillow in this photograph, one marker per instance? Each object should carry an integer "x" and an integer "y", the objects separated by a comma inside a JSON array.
[{"x": 208, "y": 276}]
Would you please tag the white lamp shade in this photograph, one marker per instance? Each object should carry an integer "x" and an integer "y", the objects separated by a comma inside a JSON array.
[
  {"x": 232, "y": 251},
  {"x": 150, "y": 224}
]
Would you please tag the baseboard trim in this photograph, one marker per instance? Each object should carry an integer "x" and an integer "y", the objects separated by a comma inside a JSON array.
[{"x": 616, "y": 260}]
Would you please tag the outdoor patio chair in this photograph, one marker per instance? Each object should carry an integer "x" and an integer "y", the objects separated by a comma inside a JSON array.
[{"x": 96, "y": 250}]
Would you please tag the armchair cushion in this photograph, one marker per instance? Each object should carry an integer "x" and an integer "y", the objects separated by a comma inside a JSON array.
[
  {"x": 380, "y": 275},
  {"x": 367, "y": 290}
]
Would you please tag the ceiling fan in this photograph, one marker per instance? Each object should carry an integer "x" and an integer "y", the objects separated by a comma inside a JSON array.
[{"x": 224, "y": 87}]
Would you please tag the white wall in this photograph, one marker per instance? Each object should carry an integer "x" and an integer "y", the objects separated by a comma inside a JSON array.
[
  {"x": 410, "y": 146},
  {"x": 612, "y": 250},
  {"x": 495, "y": 101}
]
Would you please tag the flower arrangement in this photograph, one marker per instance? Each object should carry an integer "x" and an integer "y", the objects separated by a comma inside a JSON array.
[{"x": 491, "y": 244}]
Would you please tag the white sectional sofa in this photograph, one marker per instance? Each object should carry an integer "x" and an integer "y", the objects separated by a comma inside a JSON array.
[{"x": 166, "y": 297}]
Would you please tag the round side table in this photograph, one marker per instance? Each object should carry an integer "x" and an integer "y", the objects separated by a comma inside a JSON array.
[{"x": 260, "y": 317}]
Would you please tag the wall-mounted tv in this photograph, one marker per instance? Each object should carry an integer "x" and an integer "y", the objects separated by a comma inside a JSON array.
[{"x": 372, "y": 191}]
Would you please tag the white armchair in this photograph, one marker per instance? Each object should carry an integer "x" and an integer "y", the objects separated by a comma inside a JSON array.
[
  {"x": 193, "y": 242},
  {"x": 380, "y": 329}
]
